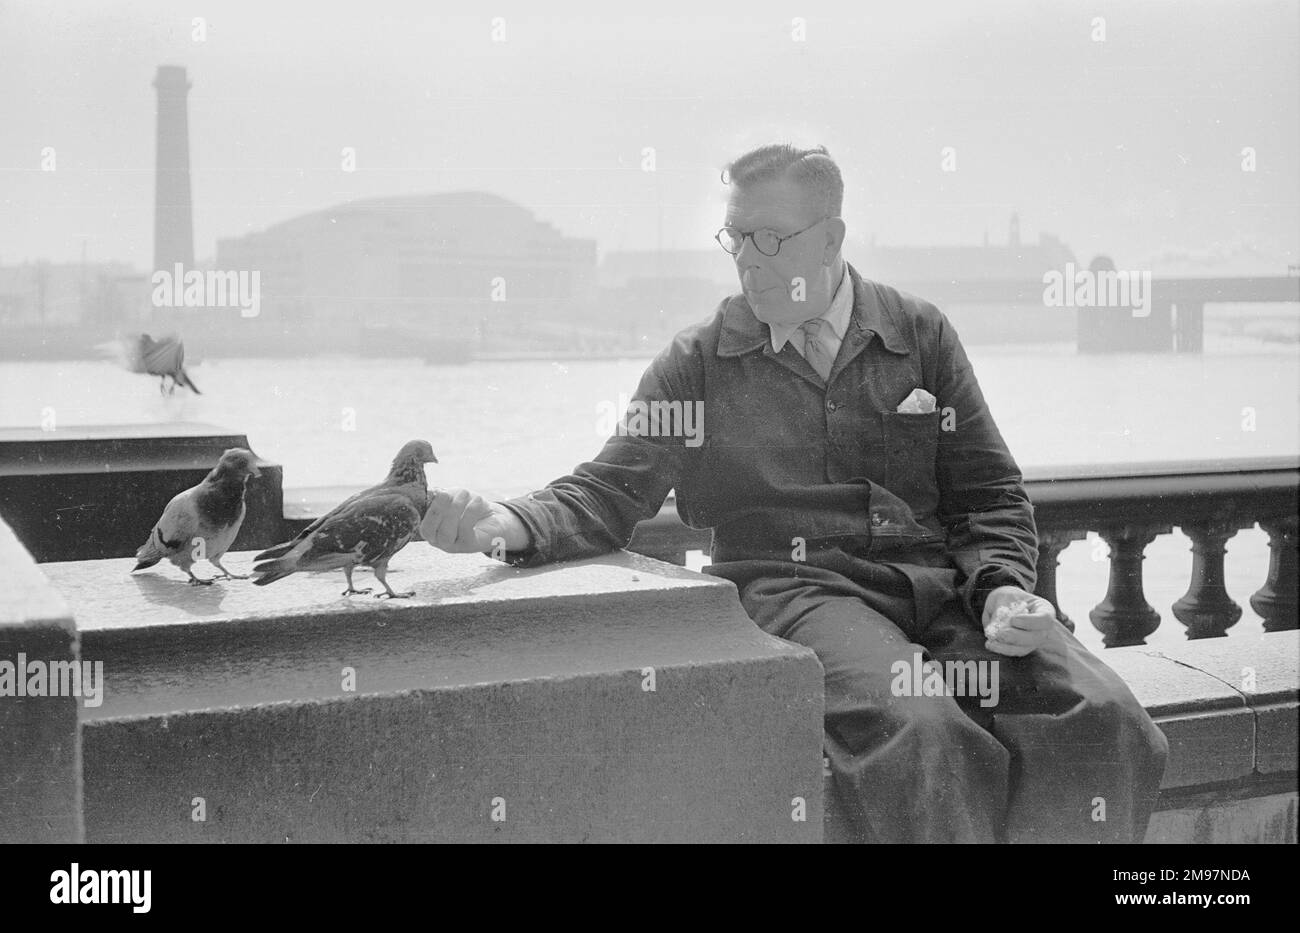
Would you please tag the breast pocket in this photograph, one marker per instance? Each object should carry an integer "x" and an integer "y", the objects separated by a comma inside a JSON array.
[{"x": 911, "y": 447}]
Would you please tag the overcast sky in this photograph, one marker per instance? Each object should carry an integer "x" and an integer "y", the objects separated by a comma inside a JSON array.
[{"x": 1131, "y": 146}]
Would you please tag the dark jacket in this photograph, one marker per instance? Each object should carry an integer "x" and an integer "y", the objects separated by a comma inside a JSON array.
[{"x": 787, "y": 457}]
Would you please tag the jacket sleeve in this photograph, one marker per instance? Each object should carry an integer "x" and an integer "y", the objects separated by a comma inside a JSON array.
[
  {"x": 595, "y": 509},
  {"x": 982, "y": 501}
]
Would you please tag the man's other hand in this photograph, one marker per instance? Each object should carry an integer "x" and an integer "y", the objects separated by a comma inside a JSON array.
[
  {"x": 1027, "y": 624},
  {"x": 460, "y": 522}
]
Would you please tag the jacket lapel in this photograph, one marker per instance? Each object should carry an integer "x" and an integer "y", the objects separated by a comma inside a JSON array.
[
  {"x": 870, "y": 318},
  {"x": 793, "y": 360},
  {"x": 742, "y": 332}
]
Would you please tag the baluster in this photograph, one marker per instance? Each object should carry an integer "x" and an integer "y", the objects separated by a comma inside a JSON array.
[
  {"x": 1206, "y": 608},
  {"x": 1275, "y": 601},
  {"x": 1124, "y": 616},
  {"x": 1050, "y": 546}
]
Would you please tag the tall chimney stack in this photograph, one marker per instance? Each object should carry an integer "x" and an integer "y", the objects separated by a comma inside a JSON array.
[{"x": 173, "y": 221}]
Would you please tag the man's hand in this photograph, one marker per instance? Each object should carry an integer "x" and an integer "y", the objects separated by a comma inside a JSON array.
[
  {"x": 460, "y": 522},
  {"x": 1028, "y": 623}
]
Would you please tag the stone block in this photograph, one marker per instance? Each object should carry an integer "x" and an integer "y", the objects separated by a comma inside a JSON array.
[
  {"x": 40, "y": 751},
  {"x": 615, "y": 699}
]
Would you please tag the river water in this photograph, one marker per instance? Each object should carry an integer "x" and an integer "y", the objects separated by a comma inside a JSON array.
[{"x": 505, "y": 428}]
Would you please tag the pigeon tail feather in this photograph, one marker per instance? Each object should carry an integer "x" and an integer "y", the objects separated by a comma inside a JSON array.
[
  {"x": 183, "y": 379},
  {"x": 278, "y": 551},
  {"x": 151, "y": 551},
  {"x": 282, "y": 566}
]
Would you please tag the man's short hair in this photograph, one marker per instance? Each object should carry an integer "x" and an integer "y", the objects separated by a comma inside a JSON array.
[{"x": 813, "y": 169}]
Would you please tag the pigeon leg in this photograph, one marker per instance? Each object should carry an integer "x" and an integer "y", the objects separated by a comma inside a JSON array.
[
  {"x": 198, "y": 581},
  {"x": 162, "y": 385},
  {"x": 226, "y": 574},
  {"x": 352, "y": 589},
  {"x": 381, "y": 571}
]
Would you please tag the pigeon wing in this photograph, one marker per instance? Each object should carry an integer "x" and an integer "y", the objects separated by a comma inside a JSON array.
[
  {"x": 179, "y": 523},
  {"x": 342, "y": 508},
  {"x": 126, "y": 352},
  {"x": 164, "y": 357},
  {"x": 369, "y": 529}
]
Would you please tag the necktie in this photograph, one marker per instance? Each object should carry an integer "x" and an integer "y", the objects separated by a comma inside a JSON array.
[{"x": 815, "y": 350}]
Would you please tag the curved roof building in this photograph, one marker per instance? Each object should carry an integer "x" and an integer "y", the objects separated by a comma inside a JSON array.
[{"x": 456, "y": 264}]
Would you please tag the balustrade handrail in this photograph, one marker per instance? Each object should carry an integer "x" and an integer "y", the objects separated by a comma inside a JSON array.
[
  {"x": 1175, "y": 492},
  {"x": 1041, "y": 473}
]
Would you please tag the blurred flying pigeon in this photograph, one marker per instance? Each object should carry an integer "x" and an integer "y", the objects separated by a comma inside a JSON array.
[
  {"x": 365, "y": 530},
  {"x": 211, "y": 511},
  {"x": 164, "y": 358}
]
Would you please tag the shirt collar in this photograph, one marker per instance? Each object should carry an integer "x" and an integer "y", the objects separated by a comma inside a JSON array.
[
  {"x": 874, "y": 310},
  {"x": 837, "y": 315}
]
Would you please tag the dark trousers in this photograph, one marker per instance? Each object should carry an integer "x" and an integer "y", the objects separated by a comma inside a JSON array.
[{"x": 1066, "y": 755}]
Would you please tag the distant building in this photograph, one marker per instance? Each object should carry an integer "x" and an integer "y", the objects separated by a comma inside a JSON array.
[
  {"x": 704, "y": 265},
  {"x": 958, "y": 280},
  {"x": 94, "y": 296},
  {"x": 1012, "y": 261},
  {"x": 459, "y": 265},
  {"x": 650, "y": 295}
]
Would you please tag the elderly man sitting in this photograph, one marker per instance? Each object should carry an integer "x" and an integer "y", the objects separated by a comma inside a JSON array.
[{"x": 865, "y": 505}]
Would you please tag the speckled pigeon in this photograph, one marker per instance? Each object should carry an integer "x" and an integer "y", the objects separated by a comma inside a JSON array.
[{"x": 365, "y": 530}]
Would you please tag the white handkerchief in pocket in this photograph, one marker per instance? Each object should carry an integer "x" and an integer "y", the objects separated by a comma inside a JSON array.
[{"x": 920, "y": 402}]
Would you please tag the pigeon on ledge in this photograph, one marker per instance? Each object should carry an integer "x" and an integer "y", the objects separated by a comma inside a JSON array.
[
  {"x": 164, "y": 358},
  {"x": 202, "y": 521},
  {"x": 365, "y": 530}
]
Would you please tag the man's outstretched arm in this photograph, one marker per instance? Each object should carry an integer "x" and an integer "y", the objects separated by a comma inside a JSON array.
[{"x": 591, "y": 511}]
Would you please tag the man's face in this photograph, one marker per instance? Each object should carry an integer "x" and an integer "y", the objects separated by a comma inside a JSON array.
[{"x": 795, "y": 284}]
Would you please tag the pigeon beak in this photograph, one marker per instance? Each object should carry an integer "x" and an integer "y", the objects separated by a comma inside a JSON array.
[
  {"x": 253, "y": 471},
  {"x": 432, "y": 459}
]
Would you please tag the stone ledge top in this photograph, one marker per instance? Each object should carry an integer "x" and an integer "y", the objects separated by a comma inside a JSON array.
[
  {"x": 27, "y": 599},
  {"x": 105, "y": 596},
  {"x": 117, "y": 448},
  {"x": 118, "y": 432},
  {"x": 170, "y": 648},
  {"x": 1219, "y": 700},
  {"x": 1211, "y": 673}
]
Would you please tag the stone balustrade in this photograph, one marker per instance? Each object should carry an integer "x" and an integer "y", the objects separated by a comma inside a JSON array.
[{"x": 1129, "y": 506}]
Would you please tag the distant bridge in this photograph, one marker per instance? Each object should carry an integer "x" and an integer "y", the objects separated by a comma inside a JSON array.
[{"x": 1177, "y": 318}]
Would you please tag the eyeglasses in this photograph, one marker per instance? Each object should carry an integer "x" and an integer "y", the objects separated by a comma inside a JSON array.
[{"x": 767, "y": 242}]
